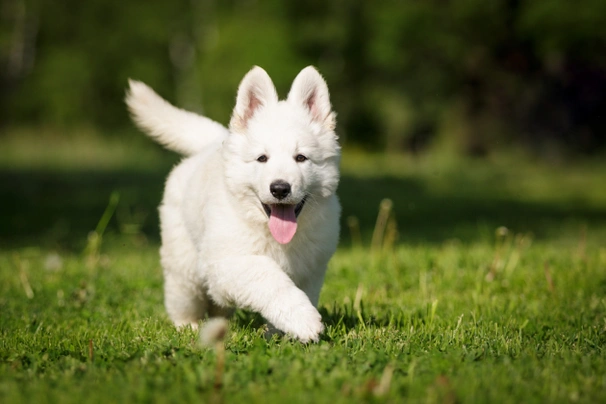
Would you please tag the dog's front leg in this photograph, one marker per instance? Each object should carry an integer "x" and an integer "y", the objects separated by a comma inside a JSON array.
[{"x": 257, "y": 283}]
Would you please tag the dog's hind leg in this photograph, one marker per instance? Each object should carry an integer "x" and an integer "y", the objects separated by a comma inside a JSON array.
[
  {"x": 185, "y": 303},
  {"x": 184, "y": 296}
]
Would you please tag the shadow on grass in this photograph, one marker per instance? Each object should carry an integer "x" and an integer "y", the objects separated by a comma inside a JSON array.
[
  {"x": 464, "y": 211},
  {"x": 335, "y": 317},
  {"x": 59, "y": 209},
  {"x": 339, "y": 318}
]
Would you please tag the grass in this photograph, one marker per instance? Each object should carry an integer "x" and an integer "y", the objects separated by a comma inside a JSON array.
[{"x": 493, "y": 290}]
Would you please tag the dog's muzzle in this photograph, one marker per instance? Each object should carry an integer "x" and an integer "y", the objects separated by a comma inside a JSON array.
[{"x": 298, "y": 207}]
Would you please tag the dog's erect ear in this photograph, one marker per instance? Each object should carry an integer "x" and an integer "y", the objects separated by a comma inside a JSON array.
[
  {"x": 256, "y": 91},
  {"x": 310, "y": 91}
]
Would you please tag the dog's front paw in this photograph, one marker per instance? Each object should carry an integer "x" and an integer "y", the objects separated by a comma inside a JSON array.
[
  {"x": 302, "y": 322},
  {"x": 310, "y": 329}
]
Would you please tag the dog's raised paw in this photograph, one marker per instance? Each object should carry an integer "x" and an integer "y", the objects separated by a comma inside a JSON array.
[
  {"x": 305, "y": 324},
  {"x": 312, "y": 333}
]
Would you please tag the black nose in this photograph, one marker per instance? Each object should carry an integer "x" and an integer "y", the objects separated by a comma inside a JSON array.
[{"x": 280, "y": 189}]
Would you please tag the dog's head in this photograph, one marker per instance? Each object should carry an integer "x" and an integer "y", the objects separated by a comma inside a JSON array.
[{"x": 282, "y": 157}]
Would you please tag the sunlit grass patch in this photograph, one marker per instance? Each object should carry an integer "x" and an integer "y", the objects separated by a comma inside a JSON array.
[{"x": 477, "y": 281}]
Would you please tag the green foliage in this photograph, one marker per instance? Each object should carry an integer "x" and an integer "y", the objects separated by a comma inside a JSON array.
[
  {"x": 564, "y": 27},
  {"x": 508, "y": 71},
  {"x": 494, "y": 291}
]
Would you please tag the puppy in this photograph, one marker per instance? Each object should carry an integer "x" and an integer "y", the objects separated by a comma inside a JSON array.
[{"x": 250, "y": 218}]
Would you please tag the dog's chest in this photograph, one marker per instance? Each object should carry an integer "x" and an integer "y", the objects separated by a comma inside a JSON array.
[{"x": 299, "y": 262}]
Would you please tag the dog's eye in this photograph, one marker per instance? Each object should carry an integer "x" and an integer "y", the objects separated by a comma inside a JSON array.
[
  {"x": 300, "y": 158},
  {"x": 262, "y": 158}
]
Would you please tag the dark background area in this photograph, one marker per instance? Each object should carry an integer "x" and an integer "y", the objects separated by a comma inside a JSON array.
[
  {"x": 401, "y": 73},
  {"x": 474, "y": 77}
]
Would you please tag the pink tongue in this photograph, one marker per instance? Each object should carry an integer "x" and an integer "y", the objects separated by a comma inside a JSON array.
[{"x": 283, "y": 223}]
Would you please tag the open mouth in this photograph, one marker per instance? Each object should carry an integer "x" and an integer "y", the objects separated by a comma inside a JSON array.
[
  {"x": 298, "y": 207},
  {"x": 283, "y": 220}
]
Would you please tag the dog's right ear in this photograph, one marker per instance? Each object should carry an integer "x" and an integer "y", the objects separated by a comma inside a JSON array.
[{"x": 255, "y": 92}]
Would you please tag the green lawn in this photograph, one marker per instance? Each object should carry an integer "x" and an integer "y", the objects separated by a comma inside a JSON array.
[{"x": 492, "y": 287}]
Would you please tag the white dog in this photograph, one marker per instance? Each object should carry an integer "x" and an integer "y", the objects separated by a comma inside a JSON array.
[{"x": 250, "y": 218}]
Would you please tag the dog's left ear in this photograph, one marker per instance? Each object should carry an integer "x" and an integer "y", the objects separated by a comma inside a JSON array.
[{"x": 310, "y": 91}]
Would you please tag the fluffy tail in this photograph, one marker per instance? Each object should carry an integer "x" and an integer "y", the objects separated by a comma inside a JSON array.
[{"x": 178, "y": 130}]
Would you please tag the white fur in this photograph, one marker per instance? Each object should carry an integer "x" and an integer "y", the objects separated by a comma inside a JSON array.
[{"x": 217, "y": 251}]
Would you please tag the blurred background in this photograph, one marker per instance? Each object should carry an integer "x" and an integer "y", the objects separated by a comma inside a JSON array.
[
  {"x": 401, "y": 72},
  {"x": 472, "y": 77}
]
